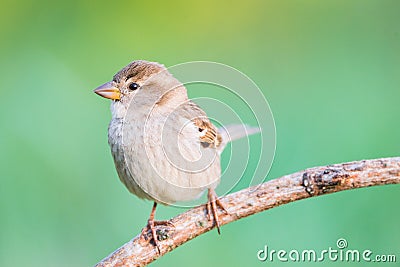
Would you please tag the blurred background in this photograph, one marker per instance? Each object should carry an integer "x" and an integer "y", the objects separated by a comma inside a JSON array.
[{"x": 329, "y": 69}]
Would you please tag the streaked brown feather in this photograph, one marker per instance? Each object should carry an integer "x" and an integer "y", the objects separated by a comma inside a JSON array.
[{"x": 211, "y": 138}]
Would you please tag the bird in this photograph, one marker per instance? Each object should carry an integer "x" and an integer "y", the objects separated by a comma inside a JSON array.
[{"x": 164, "y": 146}]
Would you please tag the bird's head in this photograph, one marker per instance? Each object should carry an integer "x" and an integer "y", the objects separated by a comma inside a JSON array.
[
  {"x": 128, "y": 81},
  {"x": 143, "y": 85}
]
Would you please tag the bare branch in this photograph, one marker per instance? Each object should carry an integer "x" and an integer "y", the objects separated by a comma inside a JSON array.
[{"x": 289, "y": 188}]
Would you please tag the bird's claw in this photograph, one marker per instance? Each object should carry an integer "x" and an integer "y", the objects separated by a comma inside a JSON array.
[
  {"x": 156, "y": 234},
  {"x": 211, "y": 206}
]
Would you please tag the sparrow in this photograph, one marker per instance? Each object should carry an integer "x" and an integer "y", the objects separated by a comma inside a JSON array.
[{"x": 164, "y": 146}]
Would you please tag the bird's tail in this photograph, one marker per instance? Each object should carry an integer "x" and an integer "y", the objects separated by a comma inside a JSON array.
[{"x": 233, "y": 132}]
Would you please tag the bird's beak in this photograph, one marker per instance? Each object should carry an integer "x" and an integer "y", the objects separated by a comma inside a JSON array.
[{"x": 108, "y": 90}]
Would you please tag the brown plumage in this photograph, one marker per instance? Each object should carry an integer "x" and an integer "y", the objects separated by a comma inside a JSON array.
[{"x": 139, "y": 70}]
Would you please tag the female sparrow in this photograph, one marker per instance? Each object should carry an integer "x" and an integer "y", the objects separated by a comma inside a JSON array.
[{"x": 165, "y": 148}]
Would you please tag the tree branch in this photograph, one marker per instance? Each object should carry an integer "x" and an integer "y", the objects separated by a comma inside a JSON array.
[{"x": 289, "y": 188}]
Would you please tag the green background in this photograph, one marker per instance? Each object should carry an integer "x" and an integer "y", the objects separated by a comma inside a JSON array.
[{"x": 329, "y": 69}]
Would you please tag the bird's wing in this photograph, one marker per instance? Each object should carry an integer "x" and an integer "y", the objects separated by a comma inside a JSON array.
[
  {"x": 209, "y": 137},
  {"x": 208, "y": 133}
]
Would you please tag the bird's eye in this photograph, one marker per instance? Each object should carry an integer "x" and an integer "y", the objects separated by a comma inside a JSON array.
[{"x": 133, "y": 86}]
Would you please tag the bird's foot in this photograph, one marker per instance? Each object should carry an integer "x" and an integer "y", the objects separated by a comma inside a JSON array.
[
  {"x": 157, "y": 234},
  {"x": 212, "y": 207}
]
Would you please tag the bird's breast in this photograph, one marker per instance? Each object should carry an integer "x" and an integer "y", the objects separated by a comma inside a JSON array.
[{"x": 159, "y": 157}]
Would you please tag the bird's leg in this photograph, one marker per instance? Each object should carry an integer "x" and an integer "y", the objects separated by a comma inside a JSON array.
[
  {"x": 212, "y": 204},
  {"x": 151, "y": 223}
]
